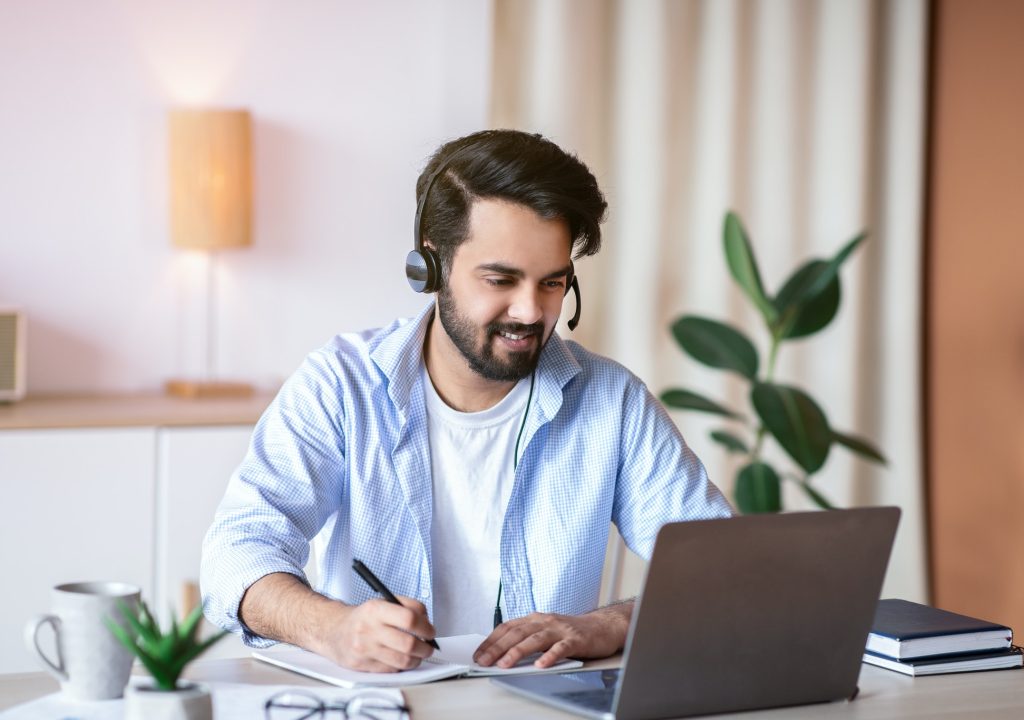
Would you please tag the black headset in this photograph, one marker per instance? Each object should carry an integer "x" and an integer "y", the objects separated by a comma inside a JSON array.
[{"x": 423, "y": 266}]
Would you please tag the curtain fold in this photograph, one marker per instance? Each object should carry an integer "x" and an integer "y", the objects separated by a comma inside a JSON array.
[{"x": 806, "y": 117}]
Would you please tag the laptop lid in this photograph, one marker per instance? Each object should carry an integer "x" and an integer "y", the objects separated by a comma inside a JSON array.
[{"x": 753, "y": 612}]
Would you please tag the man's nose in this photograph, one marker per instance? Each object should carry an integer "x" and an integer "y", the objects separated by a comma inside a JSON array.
[{"x": 526, "y": 306}]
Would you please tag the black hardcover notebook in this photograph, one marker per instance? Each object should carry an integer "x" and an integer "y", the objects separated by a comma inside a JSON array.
[
  {"x": 974, "y": 662},
  {"x": 905, "y": 630}
]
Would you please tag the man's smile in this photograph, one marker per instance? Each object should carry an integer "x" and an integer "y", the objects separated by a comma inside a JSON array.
[{"x": 517, "y": 339}]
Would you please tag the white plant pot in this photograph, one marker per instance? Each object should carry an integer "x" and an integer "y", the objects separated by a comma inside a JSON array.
[{"x": 187, "y": 702}]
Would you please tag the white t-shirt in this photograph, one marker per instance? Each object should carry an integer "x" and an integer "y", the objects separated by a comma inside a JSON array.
[{"x": 471, "y": 461}]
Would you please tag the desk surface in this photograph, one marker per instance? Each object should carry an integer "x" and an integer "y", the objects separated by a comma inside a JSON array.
[{"x": 883, "y": 694}]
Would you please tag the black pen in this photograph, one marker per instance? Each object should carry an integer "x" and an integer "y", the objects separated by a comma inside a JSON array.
[{"x": 371, "y": 580}]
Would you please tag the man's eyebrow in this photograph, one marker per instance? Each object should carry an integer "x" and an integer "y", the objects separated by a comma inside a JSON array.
[
  {"x": 511, "y": 271},
  {"x": 501, "y": 269}
]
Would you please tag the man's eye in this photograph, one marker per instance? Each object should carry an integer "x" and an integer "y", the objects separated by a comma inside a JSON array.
[
  {"x": 555, "y": 284},
  {"x": 498, "y": 281}
]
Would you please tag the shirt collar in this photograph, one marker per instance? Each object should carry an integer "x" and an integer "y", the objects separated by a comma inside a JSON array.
[{"x": 398, "y": 352}]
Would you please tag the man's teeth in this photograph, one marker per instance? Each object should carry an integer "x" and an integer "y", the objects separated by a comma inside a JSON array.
[{"x": 512, "y": 337}]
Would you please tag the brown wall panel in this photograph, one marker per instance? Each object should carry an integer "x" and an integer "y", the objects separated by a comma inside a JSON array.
[{"x": 975, "y": 296}]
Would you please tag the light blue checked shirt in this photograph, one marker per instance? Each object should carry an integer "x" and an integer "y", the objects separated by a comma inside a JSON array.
[{"x": 343, "y": 452}]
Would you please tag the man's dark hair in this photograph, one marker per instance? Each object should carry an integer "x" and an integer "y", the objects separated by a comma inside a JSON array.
[{"x": 515, "y": 166}]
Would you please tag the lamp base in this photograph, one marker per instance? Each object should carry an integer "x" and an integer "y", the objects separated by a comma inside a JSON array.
[{"x": 200, "y": 389}]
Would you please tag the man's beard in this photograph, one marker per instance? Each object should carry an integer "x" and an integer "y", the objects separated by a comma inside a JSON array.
[{"x": 483, "y": 360}]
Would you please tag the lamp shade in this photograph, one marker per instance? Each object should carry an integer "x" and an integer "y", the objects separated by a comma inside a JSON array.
[{"x": 211, "y": 179}]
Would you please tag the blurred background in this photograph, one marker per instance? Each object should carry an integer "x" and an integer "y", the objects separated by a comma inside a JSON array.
[{"x": 813, "y": 119}]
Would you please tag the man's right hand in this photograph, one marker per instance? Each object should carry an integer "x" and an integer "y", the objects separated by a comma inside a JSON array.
[{"x": 376, "y": 636}]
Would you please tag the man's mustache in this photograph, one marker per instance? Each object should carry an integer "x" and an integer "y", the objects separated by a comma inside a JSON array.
[{"x": 515, "y": 328}]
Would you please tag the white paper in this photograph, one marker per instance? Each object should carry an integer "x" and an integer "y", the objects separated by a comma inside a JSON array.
[
  {"x": 454, "y": 658},
  {"x": 231, "y": 701},
  {"x": 459, "y": 649},
  {"x": 320, "y": 668}
]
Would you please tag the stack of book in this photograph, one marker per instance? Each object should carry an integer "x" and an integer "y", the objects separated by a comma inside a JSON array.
[{"x": 920, "y": 640}]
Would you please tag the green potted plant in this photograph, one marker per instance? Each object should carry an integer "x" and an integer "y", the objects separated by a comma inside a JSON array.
[
  {"x": 164, "y": 655},
  {"x": 806, "y": 303}
]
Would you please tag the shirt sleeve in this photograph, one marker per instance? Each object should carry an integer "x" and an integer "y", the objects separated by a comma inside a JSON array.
[
  {"x": 290, "y": 482},
  {"x": 660, "y": 479}
]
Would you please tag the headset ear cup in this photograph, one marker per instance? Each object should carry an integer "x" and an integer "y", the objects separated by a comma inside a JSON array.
[
  {"x": 423, "y": 270},
  {"x": 570, "y": 278},
  {"x": 433, "y": 270}
]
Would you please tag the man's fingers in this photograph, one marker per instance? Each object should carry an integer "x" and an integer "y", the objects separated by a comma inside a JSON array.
[
  {"x": 528, "y": 645},
  {"x": 556, "y": 653},
  {"x": 383, "y": 636},
  {"x": 493, "y": 639},
  {"x": 411, "y": 617},
  {"x": 504, "y": 637},
  {"x": 413, "y": 604},
  {"x": 519, "y": 639},
  {"x": 404, "y": 643},
  {"x": 396, "y": 660}
]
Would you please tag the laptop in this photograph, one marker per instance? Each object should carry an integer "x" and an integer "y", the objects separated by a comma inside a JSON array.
[{"x": 744, "y": 613}]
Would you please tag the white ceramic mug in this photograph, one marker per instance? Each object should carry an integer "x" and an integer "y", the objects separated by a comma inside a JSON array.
[{"x": 91, "y": 663}]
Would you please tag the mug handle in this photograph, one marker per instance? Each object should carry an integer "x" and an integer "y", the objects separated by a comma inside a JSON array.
[{"x": 32, "y": 642}]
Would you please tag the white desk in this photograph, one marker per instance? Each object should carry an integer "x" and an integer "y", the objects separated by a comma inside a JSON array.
[{"x": 883, "y": 695}]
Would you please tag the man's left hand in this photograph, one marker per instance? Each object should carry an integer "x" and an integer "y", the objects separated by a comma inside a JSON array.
[{"x": 597, "y": 634}]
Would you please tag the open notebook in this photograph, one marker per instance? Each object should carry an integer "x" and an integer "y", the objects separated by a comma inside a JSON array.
[{"x": 453, "y": 660}]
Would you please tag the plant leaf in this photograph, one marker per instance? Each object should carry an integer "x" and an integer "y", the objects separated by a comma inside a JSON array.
[
  {"x": 796, "y": 421},
  {"x": 197, "y": 650},
  {"x": 687, "y": 400},
  {"x": 819, "y": 499},
  {"x": 122, "y": 635},
  {"x": 813, "y": 283},
  {"x": 732, "y": 443},
  {"x": 148, "y": 622},
  {"x": 860, "y": 446},
  {"x": 191, "y": 624},
  {"x": 757, "y": 489},
  {"x": 716, "y": 344},
  {"x": 135, "y": 620},
  {"x": 163, "y": 655},
  {"x": 740, "y": 258},
  {"x": 806, "y": 318}
]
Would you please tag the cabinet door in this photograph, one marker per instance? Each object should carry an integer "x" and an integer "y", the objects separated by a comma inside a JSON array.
[
  {"x": 77, "y": 506},
  {"x": 194, "y": 465}
]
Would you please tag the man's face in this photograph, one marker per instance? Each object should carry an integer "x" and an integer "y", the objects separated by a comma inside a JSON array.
[{"x": 504, "y": 293}]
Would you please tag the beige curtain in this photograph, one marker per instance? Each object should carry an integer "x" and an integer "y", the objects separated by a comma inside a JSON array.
[{"x": 806, "y": 117}]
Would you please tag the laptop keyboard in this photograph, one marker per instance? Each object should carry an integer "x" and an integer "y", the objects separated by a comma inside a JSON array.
[{"x": 597, "y": 699}]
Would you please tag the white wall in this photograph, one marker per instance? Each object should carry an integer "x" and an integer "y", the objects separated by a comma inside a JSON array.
[{"x": 348, "y": 99}]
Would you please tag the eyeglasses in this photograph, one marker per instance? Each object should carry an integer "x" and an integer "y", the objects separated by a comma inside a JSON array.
[{"x": 298, "y": 705}]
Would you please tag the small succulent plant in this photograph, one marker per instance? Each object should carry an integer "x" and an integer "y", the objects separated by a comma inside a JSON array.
[{"x": 165, "y": 655}]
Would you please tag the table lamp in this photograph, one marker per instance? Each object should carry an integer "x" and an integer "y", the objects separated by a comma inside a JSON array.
[{"x": 211, "y": 211}]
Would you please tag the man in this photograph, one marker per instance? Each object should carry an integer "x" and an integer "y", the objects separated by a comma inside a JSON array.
[{"x": 470, "y": 457}]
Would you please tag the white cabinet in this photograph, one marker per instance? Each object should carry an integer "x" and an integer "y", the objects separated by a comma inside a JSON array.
[
  {"x": 110, "y": 488},
  {"x": 193, "y": 468},
  {"x": 76, "y": 505}
]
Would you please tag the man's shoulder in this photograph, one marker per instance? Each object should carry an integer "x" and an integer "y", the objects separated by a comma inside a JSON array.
[
  {"x": 363, "y": 356},
  {"x": 360, "y": 343},
  {"x": 595, "y": 367}
]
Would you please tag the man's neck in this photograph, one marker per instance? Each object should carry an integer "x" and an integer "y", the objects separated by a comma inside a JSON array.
[{"x": 455, "y": 381}]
